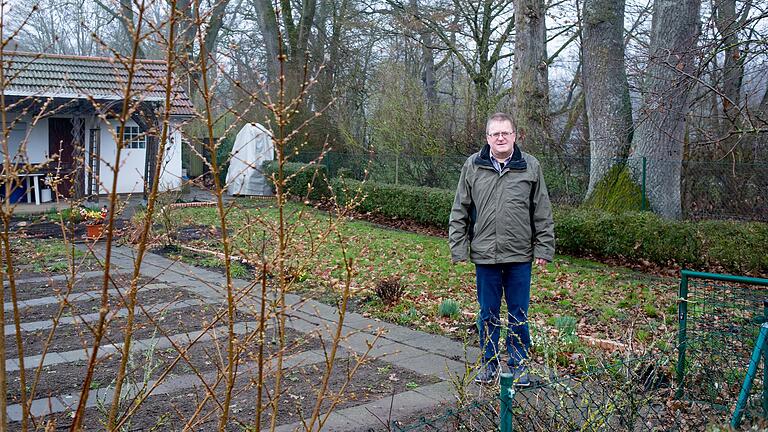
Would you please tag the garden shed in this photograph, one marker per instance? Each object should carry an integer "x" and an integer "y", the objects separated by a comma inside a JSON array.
[{"x": 63, "y": 116}]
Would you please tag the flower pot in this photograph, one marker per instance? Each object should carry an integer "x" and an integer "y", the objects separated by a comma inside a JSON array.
[{"x": 94, "y": 232}]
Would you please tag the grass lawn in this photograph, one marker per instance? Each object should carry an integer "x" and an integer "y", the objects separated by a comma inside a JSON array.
[
  {"x": 570, "y": 298},
  {"x": 49, "y": 256}
]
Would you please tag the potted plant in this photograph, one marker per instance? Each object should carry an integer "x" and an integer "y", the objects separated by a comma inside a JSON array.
[{"x": 94, "y": 221}]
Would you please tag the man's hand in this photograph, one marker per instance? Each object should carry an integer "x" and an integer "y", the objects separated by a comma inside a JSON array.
[
  {"x": 461, "y": 261},
  {"x": 541, "y": 262}
]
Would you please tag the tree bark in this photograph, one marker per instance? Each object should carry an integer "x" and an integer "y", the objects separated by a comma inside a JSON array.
[
  {"x": 269, "y": 36},
  {"x": 605, "y": 85},
  {"x": 530, "y": 86},
  {"x": 659, "y": 136},
  {"x": 127, "y": 25},
  {"x": 733, "y": 64}
]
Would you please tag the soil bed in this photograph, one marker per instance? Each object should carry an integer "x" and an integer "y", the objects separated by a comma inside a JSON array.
[
  {"x": 204, "y": 356},
  {"x": 372, "y": 381},
  {"x": 32, "y": 290},
  {"x": 72, "y": 337},
  {"x": 90, "y": 305}
]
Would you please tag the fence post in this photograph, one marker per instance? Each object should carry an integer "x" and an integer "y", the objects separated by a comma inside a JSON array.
[
  {"x": 765, "y": 363},
  {"x": 642, "y": 202},
  {"x": 682, "y": 318},
  {"x": 747, "y": 386},
  {"x": 397, "y": 168},
  {"x": 506, "y": 395}
]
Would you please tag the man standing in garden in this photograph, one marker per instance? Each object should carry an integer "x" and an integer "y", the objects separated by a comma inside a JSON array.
[{"x": 501, "y": 220}]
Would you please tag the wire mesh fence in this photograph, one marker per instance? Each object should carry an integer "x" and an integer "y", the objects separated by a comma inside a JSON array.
[
  {"x": 635, "y": 394},
  {"x": 709, "y": 190},
  {"x": 719, "y": 319},
  {"x": 695, "y": 386}
]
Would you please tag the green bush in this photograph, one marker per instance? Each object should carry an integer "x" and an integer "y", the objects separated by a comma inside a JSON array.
[
  {"x": 299, "y": 176},
  {"x": 426, "y": 205},
  {"x": 735, "y": 247}
]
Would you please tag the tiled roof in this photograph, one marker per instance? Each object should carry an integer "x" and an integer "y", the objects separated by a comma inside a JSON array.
[{"x": 78, "y": 77}]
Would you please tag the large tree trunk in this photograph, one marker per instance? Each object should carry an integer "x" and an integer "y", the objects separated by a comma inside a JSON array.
[
  {"x": 605, "y": 86},
  {"x": 661, "y": 127},
  {"x": 530, "y": 86},
  {"x": 128, "y": 27},
  {"x": 269, "y": 36},
  {"x": 728, "y": 26}
]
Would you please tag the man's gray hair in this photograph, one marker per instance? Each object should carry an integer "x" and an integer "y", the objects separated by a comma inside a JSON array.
[{"x": 500, "y": 117}]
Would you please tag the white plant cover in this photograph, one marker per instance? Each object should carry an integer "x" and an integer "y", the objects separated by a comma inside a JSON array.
[{"x": 253, "y": 146}]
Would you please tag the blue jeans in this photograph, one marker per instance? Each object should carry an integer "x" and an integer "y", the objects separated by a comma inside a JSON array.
[{"x": 514, "y": 281}]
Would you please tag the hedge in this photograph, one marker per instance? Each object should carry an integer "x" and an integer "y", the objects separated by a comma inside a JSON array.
[
  {"x": 733, "y": 246},
  {"x": 299, "y": 177},
  {"x": 712, "y": 245}
]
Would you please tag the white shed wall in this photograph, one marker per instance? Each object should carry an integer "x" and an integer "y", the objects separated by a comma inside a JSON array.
[
  {"x": 170, "y": 176},
  {"x": 130, "y": 174},
  {"x": 36, "y": 137}
]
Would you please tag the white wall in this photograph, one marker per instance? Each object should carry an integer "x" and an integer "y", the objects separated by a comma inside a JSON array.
[
  {"x": 170, "y": 176},
  {"x": 130, "y": 173},
  {"x": 33, "y": 136}
]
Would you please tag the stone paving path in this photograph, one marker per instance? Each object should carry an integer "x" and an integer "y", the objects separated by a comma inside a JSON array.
[{"x": 423, "y": 353}]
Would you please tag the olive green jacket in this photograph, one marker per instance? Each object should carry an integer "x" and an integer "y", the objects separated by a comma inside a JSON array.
[{"x": 501, "y": 217}]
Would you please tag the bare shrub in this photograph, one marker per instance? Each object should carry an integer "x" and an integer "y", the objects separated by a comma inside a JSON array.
[{"x": 390, "y": 290}]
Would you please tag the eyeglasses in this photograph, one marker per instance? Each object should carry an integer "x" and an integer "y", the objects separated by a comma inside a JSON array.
[{"x": 504, "y": 134}]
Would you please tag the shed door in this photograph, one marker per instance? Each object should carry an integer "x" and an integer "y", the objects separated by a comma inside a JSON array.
[{"x": 60, "y": 143}]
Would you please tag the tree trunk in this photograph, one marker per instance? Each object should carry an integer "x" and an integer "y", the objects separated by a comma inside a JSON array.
[
  {"x": 728, "y": 26},
  {"x": 605, "y": 84},
  {"x": 661, "y": 128},
  {"x": 127, "y": 25},
  {"x": 733, "y": 64},
  {"x": 269, "y": 36},
  {"x": 530, "y": 86},
  {"x": 428, "y": 77}
]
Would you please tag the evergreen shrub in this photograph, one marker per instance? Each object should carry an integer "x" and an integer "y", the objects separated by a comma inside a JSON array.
[
  {"x": 421, "y": 204},
  {"x": 299, "y": 177},
  {"x": 725, "y": 246}
]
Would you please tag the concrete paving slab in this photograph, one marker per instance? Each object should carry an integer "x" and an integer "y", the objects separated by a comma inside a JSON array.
[
  {"x": 57, "y": 278},
  {"x": 433, "y": 364},
  {"x": 383, "y": 411},
  {"x": 396, "y": 353},
  {"x": 14, "y": 412},
  {"x": 41, "y": 407},
  {"x": 442, "y": 392}
]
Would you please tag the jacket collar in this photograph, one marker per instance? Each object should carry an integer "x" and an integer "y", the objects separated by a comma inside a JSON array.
[{"x": 517, "y": 162}]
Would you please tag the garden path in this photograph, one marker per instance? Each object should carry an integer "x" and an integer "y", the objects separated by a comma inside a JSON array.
[{"x": 440, "y": 359}]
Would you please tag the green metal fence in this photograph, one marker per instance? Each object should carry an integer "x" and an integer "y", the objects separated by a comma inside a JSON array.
[
  {"x": 710, "y": 190},
  {"x": 715, "y": 376},
  {"x": 632, "y": 394},
  {"x": 719, "y": 320}
]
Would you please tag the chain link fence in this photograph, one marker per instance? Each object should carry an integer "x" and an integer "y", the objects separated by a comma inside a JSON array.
[
  {"x": 634, "y": 394},
  {"x": 697, "y": 385},
  {"x": 710, "y": 190},
  {"x": 719, "y": 321}
]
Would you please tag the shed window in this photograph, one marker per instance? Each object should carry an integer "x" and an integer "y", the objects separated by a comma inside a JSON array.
[{"x": 134, "y": 138}]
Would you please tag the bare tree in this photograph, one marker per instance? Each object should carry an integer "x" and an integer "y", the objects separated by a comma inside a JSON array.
[
  {"x": 530, "y": 88},
  {"x": 485, "y": 26},
  {"x": 606, "y": 90},
  {"x": 660, "y": 131}
]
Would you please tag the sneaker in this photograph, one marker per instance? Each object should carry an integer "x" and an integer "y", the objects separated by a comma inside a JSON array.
[
  {"x": 486, "y": 374},
  {"x": 521, "y": 376}
]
